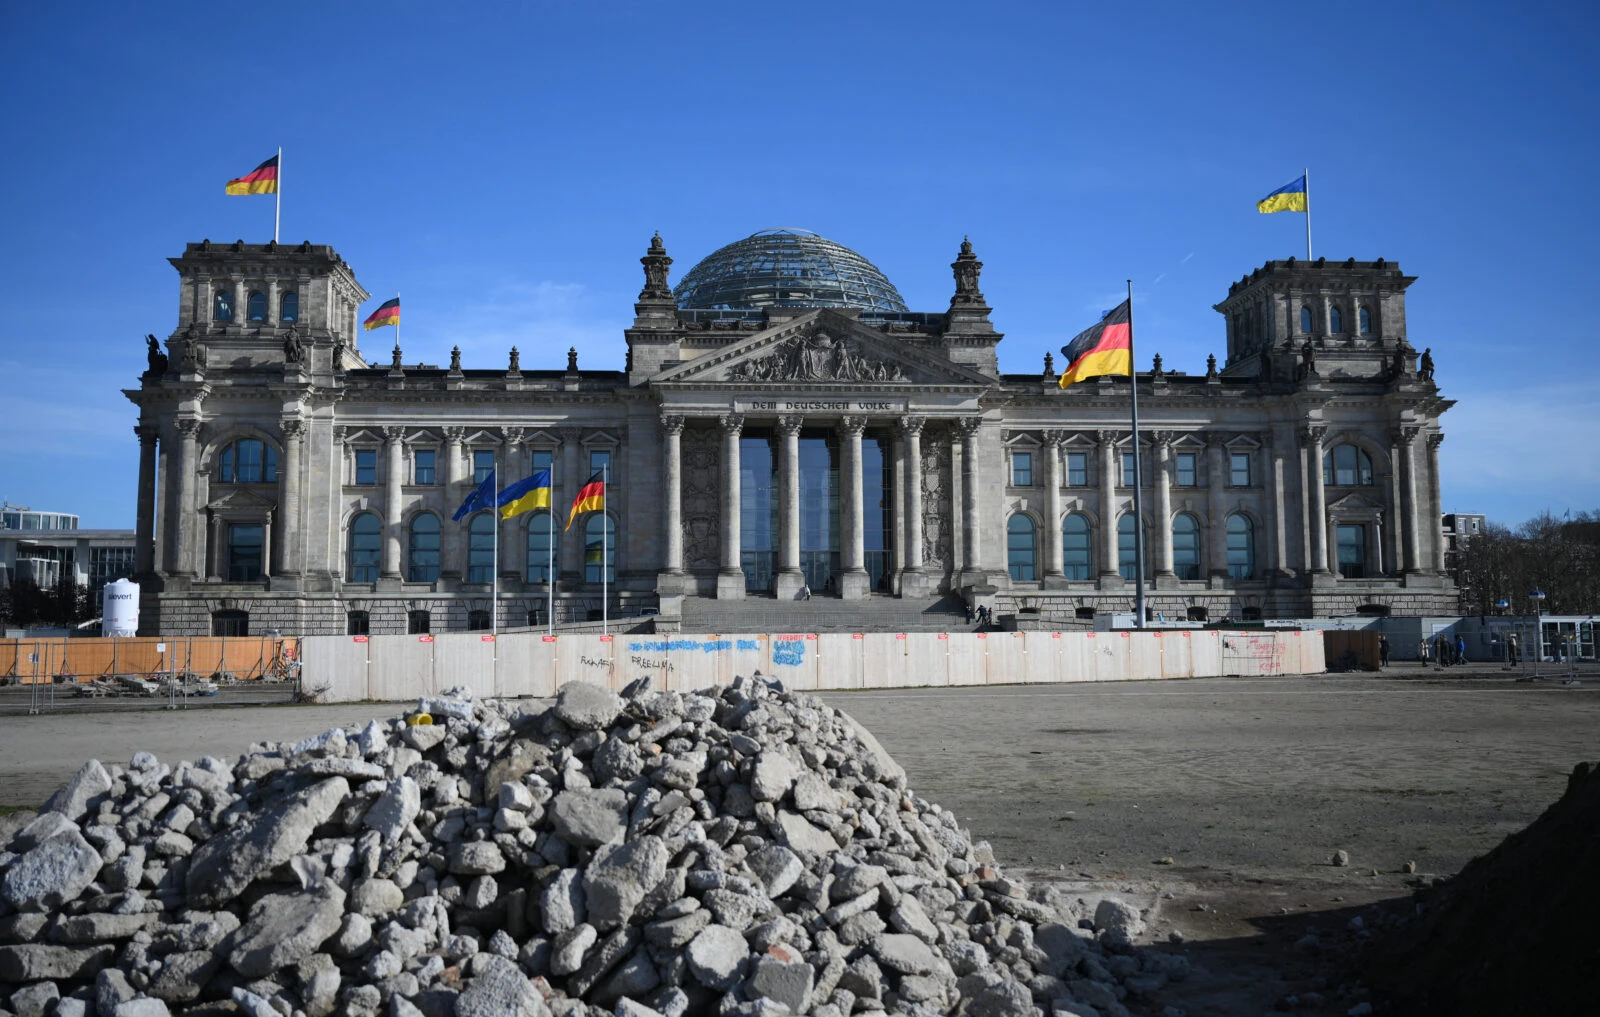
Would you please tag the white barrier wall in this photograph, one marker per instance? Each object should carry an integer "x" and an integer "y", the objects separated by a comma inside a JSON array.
[{"x": 395, "y": 668}]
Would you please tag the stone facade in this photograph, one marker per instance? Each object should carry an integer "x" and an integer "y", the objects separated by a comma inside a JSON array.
[{"x": 289, "y": 481}]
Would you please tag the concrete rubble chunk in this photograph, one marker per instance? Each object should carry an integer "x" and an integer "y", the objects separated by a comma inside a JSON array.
[
  {"x": 52, "y": 873},
  {"x": 620, "y": 876},
  {"x": 394, "y": 811},
  {"x": 224, "y": 866},
  {"x": 286, "y": 928},
  {"x": 87, "y": 785},
  {"x": 33, "y": 962},
  {"x": 585, "y": 707},
  {"x": 786, "y": 982},
  {"x": 588, "y": 817},
  {"x": 717, "y": 957}
]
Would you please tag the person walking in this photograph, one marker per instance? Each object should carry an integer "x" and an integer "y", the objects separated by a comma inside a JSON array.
[
  {"x": 1383, "y": 650},
  {"x": 1461, "y": 649},
  {"x": 805, "y": 591},
  {"x": 969, "y": 614},
  {"x": 1422, "y": 652},
  {"x": 1511, "y": 648}
]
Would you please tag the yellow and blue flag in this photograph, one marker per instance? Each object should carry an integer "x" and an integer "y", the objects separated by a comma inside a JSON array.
[
  {"x": 525, "y": 495},
  {"x": 1291, "y": 197}
]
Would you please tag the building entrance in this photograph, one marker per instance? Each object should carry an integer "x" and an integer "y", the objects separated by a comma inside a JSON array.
[{"x": 819, "y": 511}]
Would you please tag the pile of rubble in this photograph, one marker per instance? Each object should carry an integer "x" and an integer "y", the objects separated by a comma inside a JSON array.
[{"x": 744, "y": 850}]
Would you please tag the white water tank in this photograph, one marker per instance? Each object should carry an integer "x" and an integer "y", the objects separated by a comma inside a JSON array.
[{"x": 119, "y": 609}]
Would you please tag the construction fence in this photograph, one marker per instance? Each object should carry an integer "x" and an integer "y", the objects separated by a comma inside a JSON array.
[
  {"x": 392, "y": 668},
  {"x": 26, "y": 661}
]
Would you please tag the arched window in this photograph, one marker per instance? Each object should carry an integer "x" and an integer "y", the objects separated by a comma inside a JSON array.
[
  {"x": 543, "y": 549},
  {"x": 1364, "y": 321},
  {"x": 1075, "y": 547},
  {"x": 1019, "y": 548},
  {"x": 248, "y": 461},
  {"x": 289, "y": 306},
  {"x": 366, "y": 548},
  {"x": 1186, "y": 546},
  {"x": 596, "y": 555},
  {"x": 1126, "y": 562},
  {"x": 222, "y": 306},
  {"x": 1241, "y": 547},
  {"x": 480, "y": 548},
  {"x": 422, "y": 552},
  {"x": 1347, "y": 466},
  {"x": 1305, "y": 320},
  {"x": 256, "y": 307},
  {"x": 1335, "y": 321}
]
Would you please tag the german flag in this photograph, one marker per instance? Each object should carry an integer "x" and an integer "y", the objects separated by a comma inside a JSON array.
[
  {"x": 261, "y": 180},
  {"x": 591, "y": 498},
  {"x": 387, "y": 314},
  {"x": 1105, "y": 348}
]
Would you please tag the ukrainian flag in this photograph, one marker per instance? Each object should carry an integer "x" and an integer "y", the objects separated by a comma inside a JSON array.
[
  {"x": 525, "y": 495},
  {"x": 1291, "y": 197}
]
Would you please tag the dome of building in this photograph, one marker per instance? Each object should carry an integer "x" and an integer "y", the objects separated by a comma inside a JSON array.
[{"x": 786, "y": 268}]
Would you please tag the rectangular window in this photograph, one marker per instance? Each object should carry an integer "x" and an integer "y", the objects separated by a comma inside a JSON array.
[
  {"x": 424, "y": 462},
  {"x": 1239, "y": 469},
  {"x": 1188, "y": 469},
  {"x": 418, "y": 622},
  {"x": 357, "y": 623},
  {"x": 1078, "y": 469},
  {"x": 1352, "y": 550},
  {"x": 544, "y": 459},
  {"x": 600, "y": 459},
  {"x": 244, "y": 552},
  {"x": 1127, "y": 469},
  {"x": 1022, "y": 469},
  {"x": 482, "y": 465},
  {"x": 366, "y": 466}
]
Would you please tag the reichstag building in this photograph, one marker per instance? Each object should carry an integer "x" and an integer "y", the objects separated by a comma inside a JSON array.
[{"x": 783, "y": 425}]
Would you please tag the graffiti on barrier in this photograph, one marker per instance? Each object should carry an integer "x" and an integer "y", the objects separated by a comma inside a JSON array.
[
  {"x": 651, "y": 663},
  {"x": 788, "y": 652},
  {"x": 594, "y": 661},
  {"x": 703, "y": 645}
]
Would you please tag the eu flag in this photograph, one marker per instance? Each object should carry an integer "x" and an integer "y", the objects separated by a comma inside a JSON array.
[{"x": 481, "y": 499}]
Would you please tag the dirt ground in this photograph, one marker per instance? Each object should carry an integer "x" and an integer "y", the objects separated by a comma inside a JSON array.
[{"x": 1216, "y": 803}]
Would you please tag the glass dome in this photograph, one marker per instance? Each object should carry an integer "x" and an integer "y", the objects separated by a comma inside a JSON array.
[{"x": 786, "y": 268}]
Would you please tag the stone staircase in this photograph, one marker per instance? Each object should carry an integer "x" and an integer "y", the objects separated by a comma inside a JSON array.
[{"x": 824, "y": 614}]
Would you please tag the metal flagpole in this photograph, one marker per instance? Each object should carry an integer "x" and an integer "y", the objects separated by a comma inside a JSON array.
[
  {"x": 494, "y": 582},
  {"x": 1308, "y": 213},
  {"x": 277, "y": 213},
  {"x": 1138, "y": 502},
  {"x": 550, "y": 556},
  {"x": 605, "y": 563}
]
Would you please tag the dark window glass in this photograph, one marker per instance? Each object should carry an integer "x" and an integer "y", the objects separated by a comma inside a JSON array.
[
  {"x": 244, "y": 552},
  {"x": 422, "y": 558},
  {"x": 1127, "y": 563},
  {"x": 1335, "y": 321},
  {"x": 419, "y": 623},
  {"x": 758, "y": 511},
  {"x": 1352, "y": 550},
  {"x": 478, "y": 621},
  {"x": 480, "y": 548},
  {"x": 1186, "y": 546},
  {"x": 1364, "y": 320},
  {"x": 482, "y": 465},
  {"x": 1198, "y": 613},
  {"x": 1239, "y": 469},
  {"x": 1019, "y": 548},
  {"x": 1305, "y": 320},
  {"x": 357, "y": 623},
  {"x": 1075, "y": 547},
  {"x": 1022, "y": 469},
  {"x": 1127, "y": 469},
  {"x": 230, "y": 623},
  {"x": 1347, "y": 466},
  {"x": 225, "y": 469},
  {"x": 1078, "y": 469},
  {"x": 366, "y": 548},
  {"x": 1241, "y": 548},
  {"x": 256, "y": 307},
  {"x": 222, "y": 308},
  {"x": 544, "y": 549},
  {"x": 1188, "y": 469},
  {"x": 366, "y": 466},
  {"x": 249, "y": 462},
  {"x": 595, "y": 555},
  {"x": 289, "y": 307},
  {"x": 598, "y": 459},
  {"x": 425, "y": 460},
  {"x": 545, "y": 459}
]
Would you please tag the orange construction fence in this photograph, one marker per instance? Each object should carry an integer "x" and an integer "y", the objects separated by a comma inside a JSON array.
[{"x": 243, "y": 657}]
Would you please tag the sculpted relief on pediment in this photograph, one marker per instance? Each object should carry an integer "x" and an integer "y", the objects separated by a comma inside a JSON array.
[{"x": 816, "y": 357}]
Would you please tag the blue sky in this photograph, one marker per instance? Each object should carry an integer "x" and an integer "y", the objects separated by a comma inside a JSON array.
[{"x": 503, "y": 165}]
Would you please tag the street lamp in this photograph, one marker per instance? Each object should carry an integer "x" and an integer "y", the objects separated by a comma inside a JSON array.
[{"x": 1537, "y": 596}]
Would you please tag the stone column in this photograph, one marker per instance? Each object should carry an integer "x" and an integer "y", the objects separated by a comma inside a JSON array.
[
  {"x": 730, "y": 577},
  {"x": 1216, "y": 555},
  {"x": 969, "y": 496},
  {"x": 393, "y": 468},
  {"x": 204, "y": 298},
  {"x": 144, "y": 551},
  {"x": 183, "y": 549},
  {"x": 854, "y": 583},
  {"x": 1052, "y": 501},
  {"x": 215, "y": 551},
  {"x": 570, "y": 551},
  {"x": 1434, "y": 520},
  {"x": 1406, "y": 442},
  {"x": 1161, "y": 445},
  {"x": 914, "y": 582},
  {"x": 451, "y": 550},
  {"x": 241, "y": 308},
  {"x": 672, "y": 485},
  {"x": 1396, "y": 534},
  {"x": 266, "y": 546},
  {"x": 790, "y": 578},
  {"x": 273, "y": 317},
  {"x": 1108, "y": 504},
  {"x": 1318, "y": 508},
  {"x": 1278, "y": 542},
  {"x": 289, "y": 563},
  {"x": 513, "y": 552}
]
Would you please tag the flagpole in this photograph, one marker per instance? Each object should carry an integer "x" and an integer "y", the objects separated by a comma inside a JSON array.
[
  {"x": 550, "y": 557},
  {"x": 1308, "y": 213},
  {"x": 494, "y": 582},
  {"x": 1138, "y": 502},
  {"x": 277, "y": 213},
  {"x": 605, "y": 564}
]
